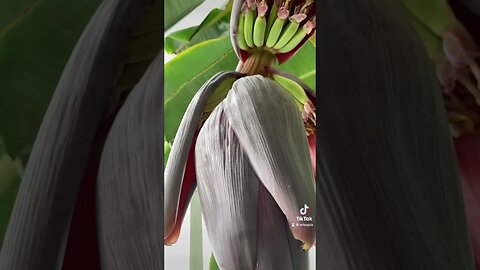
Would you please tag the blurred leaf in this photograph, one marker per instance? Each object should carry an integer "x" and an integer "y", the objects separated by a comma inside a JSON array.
[
  {"x": 166, "y": 151},
  {"x": 9, "y": 10},
  {"x": 35, "y": 43},
  {"x": 9, "y": 183},
  {"x": 213, "y": 263},
  {"x": 8, "y": 172},
  {"x": 215, "y": 25},
  {"x": 2, "y": 147},
  {"x": 174, "y": 10},
  {"x": 313, "y": 39},
  {"x": 7, "y": 169},
  {"x": 7, "y": 199},
  {"x": 187, "y": 72}
]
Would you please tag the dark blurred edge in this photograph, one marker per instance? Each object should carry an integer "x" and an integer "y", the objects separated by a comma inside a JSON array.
[{"x": 354, "y": 230}]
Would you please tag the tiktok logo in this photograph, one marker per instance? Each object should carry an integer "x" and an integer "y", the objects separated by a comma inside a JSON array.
[
  {"x": 303, "y": 221},
  {"x": 304, "y": 209}
]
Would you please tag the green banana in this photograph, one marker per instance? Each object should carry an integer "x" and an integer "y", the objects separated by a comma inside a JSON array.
[
  {"x": 276, "y": 29},
  {"x": 293, "y": 88},
  {"x": 271, "y": 18},
  {"x": 298, "y": 37},
  {"x": 275, "y": 32},
  {"x": 260, "y": 24},
  {"x": 241, "y": 37},
  {"x": 287, "y": 34},
  {"x": 248, "y": 28},
  {"x": 259, "y": 31}
]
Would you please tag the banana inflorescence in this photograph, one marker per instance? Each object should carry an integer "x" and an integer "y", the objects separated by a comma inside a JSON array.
[
  {"x": 455, "y": 52},
  {"x": 274, "y": 28}
]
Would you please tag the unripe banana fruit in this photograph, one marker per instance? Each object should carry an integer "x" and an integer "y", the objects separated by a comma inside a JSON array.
[
  {"x": 294, "y": 89},
  {"x": 248, "y": 27},
  {"x": 242, "y": 43},
  {"x": 260, "y": 25},
  {"x": 289, "y": 31}
]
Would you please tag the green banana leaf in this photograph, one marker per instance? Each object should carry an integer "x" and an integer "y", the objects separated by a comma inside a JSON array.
[
  {"x": 175, "y": 10},
  {"x": 166, "y": 151},
  {"x": 9, "y": 182},
  {"x": 213, "y": 263},
  {"x": 7, "y": 199},
  {"x": 187, "y": 72},
  {"x": 215, "y": 25},
  {"x": 10, "y": 9},
  {"x": 8, "y": 172},
  {"x": 33, "y": 53}
]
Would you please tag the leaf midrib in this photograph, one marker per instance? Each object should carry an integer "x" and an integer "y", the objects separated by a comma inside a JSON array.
[
  {"x": 29, "y": 8},
  {"x": 176, "y": 91}
]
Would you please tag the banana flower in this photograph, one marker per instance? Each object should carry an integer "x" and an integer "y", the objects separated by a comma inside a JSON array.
[{"x": 253, "y": 176}]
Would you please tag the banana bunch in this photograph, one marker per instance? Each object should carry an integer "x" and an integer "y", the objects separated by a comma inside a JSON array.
[
  {"x": 256, "y": 31},
  {"x": 279, "y": 26}
]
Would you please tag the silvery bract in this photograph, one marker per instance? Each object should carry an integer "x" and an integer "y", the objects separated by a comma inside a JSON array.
[
  {"x": 253, "y": 175},
  {"x": 180, "y": 169}
]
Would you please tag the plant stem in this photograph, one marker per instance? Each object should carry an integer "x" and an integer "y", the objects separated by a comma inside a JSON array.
[
  {"x": 258, "y": 62},
  {"x": 196, "y": 250}
]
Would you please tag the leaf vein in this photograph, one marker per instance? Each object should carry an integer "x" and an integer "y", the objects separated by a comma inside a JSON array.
[{"x": 196, "y": 76}]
